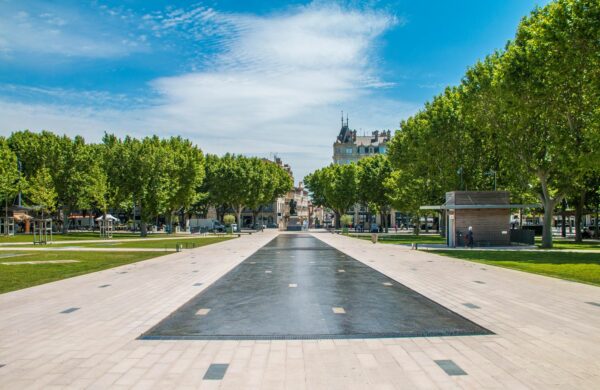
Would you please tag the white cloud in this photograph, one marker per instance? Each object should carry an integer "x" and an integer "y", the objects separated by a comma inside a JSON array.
[
  {"x": 276, "y": 85},
  {"x": 40, "y": 28}
]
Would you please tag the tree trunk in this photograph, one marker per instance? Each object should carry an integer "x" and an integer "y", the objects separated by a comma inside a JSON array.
[
  {"x": 65, "y": 227},
  {"x": 417, "y": 224},
  {"x": 548, "y": 202},
  {"x": 596, "y": 232},
  {"x": 238, "y": 211},
  {"x": 338, "y": 216},
  {"x": 105, "y": 224},
  {"x": 563, "y": 231},
  {"x": 143, "y": 227},
  {"x": 255, "y": 217},
  {"x": 547, "y": 231},
  {"x": 578, "y": 216},
  {"x": 169, "y": 221}
]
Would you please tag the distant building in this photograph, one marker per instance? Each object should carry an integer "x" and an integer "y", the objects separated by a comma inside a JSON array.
[{"x": 349, "y": 147}]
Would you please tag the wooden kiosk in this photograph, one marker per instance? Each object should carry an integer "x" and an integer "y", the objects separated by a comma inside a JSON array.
[{"x": 487, "y": 212}]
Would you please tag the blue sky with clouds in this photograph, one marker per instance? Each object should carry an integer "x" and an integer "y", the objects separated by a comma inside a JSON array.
[{"x": 253, "y": 77}]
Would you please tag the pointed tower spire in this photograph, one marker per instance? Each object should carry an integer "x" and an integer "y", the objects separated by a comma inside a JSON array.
[
  {"x": 342, "y": 118},
  {"x": 346, "y": 119}
]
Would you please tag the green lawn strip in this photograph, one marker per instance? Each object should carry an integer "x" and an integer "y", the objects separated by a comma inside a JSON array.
[
  {"x": 16, "y": 277},
  {"x": 569, "y": 244},
  {"x": 169, "y": 244},
  {"x": 70, "y": 236},
  {"x": 405, "y": 239},
  {"x": 579, "y": 267},
  {"x": 116, "y": 242}
]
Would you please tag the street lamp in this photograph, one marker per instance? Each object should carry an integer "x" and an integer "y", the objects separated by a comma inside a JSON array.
[{"x": 460, "y": 172}]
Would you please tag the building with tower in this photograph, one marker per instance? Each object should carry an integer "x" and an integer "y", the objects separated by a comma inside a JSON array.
[{"x": 350, "y": 147}]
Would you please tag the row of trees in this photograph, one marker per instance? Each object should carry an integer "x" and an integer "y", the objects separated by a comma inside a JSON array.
[
  {"x": 526, "y": 118},
  {"x": 158, "y": 177},
  {"x": 339, "y": 187}
]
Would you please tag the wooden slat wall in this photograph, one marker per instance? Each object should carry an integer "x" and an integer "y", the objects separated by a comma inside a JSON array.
[
  {"x": 487, "y": 224},
  {"x": 477, "y": 197}
]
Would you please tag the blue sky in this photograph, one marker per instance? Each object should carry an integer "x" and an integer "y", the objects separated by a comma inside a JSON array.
[{"x": 252, "y": 77}]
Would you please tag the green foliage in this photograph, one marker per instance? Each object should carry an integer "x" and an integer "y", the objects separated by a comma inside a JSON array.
[
  {"x": 9, "y": 172},
  {"x": 229, "y": 219},
  {"x": 335, "y": 187},
  {"x": 76, "y": 175},
  {"x": 237, "y": 181},
  {"x": 35, "y": 150},
  {"x": 41, "y": 191},
  {"x": 528, "y": 116},
  {"x": 372, "y": 174},
  {"x": 346, "y": 220}
]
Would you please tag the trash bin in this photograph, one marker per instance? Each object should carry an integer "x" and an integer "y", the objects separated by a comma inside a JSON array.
[
  {"x": 178, "y": 247},
  {"x": 374, "y": 238}
]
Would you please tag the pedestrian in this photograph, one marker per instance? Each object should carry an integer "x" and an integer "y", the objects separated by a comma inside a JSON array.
[
  {"x": 469, "y": 241},
  {"x": 395, "y": 228}
]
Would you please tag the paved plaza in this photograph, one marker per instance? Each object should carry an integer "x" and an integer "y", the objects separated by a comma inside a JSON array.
[{"x": 84, "y": 332}]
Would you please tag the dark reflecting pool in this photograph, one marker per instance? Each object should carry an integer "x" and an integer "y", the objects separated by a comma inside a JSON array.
[{"x": 298, "y": 287}]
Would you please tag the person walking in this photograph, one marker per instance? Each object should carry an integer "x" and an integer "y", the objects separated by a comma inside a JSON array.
[{"x": 469, "y": 238}]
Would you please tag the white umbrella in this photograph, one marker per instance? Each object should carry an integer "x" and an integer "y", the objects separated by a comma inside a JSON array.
[{"x": 108, "y": 217}]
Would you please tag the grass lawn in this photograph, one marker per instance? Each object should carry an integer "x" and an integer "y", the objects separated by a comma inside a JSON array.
[
  {"x": 160, "y": 244},
  {"x": 579, "y": 267},
  {"x": 405, "y": 239},
  {"x": 16, "y": 277},
  {"x": 559, "y": 243},
  {"x": 71, "y": 236},
  {"x": 130, "y": 242}
]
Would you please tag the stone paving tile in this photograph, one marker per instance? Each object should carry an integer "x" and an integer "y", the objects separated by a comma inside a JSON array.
[{"x": 547, "y": 335}]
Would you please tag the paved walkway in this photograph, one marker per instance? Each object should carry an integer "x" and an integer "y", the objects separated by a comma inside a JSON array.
[{"x": 82, "y": 332}]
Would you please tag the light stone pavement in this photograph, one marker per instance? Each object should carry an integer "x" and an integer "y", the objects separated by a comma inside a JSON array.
[{"x": 547, "y": 336}]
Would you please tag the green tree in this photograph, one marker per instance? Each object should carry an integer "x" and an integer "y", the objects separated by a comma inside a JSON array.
[
  {"x": 185, "y": 171},
  {"x": 334, "y": 187},
  {"x": 372, "y": 173},
  {"x": 35, "y": 150},
  {"x": 549, "y": 77},
  {"x": 41, "y": 191},
  {"x": 9, "y": 175},
  {"x": 270, "y": 182},
  {"x": 76, "y": 176}
]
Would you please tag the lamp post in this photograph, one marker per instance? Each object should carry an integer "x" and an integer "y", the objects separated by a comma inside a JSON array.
[{"x": 460, "y": 172}]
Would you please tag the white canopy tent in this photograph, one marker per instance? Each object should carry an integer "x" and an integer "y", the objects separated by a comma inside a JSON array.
[
  {"x": 106, "y": 226},
  {"x": 109, "y": 217}
]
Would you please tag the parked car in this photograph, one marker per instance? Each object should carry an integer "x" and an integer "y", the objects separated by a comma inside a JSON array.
[{"x": 212, "y": 225}]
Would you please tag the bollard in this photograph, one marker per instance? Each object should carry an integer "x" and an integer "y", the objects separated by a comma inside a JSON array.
[
  {"x": 374, "y": 238},
  {"x": 178, "y": 247}
]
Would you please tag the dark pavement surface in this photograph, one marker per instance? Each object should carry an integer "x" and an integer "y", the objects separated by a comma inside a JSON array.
[{"x": 250, "y": 303}]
